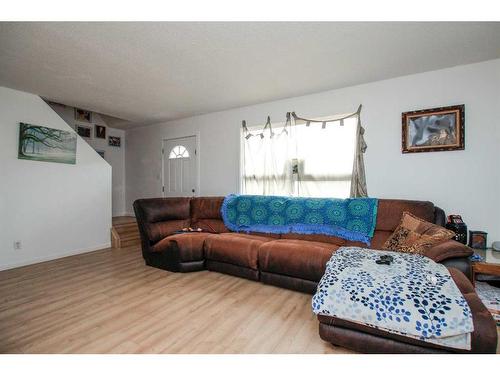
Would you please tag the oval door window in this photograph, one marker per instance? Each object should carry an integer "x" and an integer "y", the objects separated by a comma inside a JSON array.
[{"x": 178, "y": 152}]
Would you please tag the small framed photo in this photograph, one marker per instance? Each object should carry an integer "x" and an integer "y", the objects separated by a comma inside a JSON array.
[
  {"x": 114, "y": 141},
  {"x": 83, "y": 115},
  {"x": 84, "y": 131},
  {"x": 477, "y": 239},
  {"x": 436, "y": 129},
  {"x": 100, "y": 131}
]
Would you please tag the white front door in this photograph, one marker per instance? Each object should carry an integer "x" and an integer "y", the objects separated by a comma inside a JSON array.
[{"x": 180, "y": 167}]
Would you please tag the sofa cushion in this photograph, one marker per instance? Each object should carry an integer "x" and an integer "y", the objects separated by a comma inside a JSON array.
[
  {"x": 390, "y": 211},
  {"x": 448, "y": 249},
  {"x": 315, "y": 238},
  {"x": 210, "y": 225},
  {"x": 378, "y": 240},
  {"x": 234, "y": 248},
  {"x": 206, "y": 208},
  {"x": 379, "y": 237},
  {"x": 414, "y": 235},
  {"x": 297, "y": 258},
  {"x": 188, "y": 245},
  {"x": 205, "y": 214},
  {"x": 164, "y": 209},
  {"x": 162, "y": 229}
]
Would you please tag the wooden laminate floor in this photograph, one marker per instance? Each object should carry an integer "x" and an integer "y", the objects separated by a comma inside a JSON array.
[{"x": 108, "y": 301}]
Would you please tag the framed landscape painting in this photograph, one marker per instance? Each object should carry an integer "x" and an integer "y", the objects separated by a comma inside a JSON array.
[
  {"x": 45, "y": 144},
  {"x": 436, "y": 129}
]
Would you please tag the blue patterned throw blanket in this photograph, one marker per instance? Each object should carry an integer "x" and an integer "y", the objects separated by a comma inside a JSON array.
[
  {"x": 353, "y": 219},
  {"x": 413, "y": 296}
]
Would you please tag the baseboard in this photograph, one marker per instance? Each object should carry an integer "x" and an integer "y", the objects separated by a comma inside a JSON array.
[{"x": 47, "y": 258}]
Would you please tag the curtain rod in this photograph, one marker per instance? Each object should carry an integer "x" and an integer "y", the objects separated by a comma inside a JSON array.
[
  {"x": 327, "y": 120},
  {"x": 294, "y": 115}
]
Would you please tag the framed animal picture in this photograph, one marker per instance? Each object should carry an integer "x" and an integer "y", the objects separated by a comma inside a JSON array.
[
  {"x": 436, "y": 129},
  {"x": 83, "y": 115},
  {"x": 84, "y": 131},
  {"x": 100, "y": 131},
  {"x": 114, "y": 141}
]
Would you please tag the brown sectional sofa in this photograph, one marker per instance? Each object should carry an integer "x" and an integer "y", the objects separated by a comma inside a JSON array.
[
  {"x": 291, "y": 260},
  {"x": 295, "y": 261}
]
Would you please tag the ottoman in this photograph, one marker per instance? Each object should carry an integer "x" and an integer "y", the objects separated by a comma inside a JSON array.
[{"x": 367, "y": 339}]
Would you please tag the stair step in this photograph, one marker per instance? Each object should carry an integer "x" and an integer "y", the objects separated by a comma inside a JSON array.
[
  {"x": 119, "y": 220},
  {"x": 125, "y": 226},
  {"x": 131, "y": 236},
  {"x": 134, "y": 241},
  {"x": 131, "y": 223},
  {"x": 126, "y": 230},
  {"x": 125, "y": 234}
]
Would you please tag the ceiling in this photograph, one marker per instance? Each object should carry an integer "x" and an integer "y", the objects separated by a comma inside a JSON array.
[{"x": 151, "y": 72}]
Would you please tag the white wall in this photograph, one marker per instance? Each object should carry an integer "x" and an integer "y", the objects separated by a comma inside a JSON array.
[
  {"x": 464, "y": 182},
  {"x": 54, "y": 209},
  {"x": 115, "y": 156}
]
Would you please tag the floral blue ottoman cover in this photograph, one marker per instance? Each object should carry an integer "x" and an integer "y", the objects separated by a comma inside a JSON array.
[{"x": 413, "y": 296}]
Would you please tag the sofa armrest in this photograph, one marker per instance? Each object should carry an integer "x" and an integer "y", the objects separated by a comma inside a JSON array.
[
  {"x": 141, "y": 223},
  {"x": 452, "y": 254},
  {"x": 448, "y": 249},
  {"x": 158, "y": 218},
  {"x": 463, "y": 264},
  {"x": 439, "y": 216}
]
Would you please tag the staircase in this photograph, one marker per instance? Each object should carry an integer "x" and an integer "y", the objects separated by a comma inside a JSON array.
[{"x": 124, "y": 232}]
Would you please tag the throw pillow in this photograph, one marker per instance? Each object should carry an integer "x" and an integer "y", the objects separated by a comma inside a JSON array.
[{"x": 414, "y": 235}]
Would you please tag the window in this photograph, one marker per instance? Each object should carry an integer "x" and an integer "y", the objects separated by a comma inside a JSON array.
[
  {"x": 304, "y": 159},
  {"x": 178, "y": 152}
]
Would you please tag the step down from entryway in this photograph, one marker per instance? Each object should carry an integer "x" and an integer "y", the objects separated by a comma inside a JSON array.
[{"x": 124, "y": 232}]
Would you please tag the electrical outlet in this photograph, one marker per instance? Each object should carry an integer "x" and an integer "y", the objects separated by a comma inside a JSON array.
[{"x": 17, "y": 245}]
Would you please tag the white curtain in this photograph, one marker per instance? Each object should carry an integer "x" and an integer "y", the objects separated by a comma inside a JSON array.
[
  {"x": 266, "y": 157},
  {"x": 310, "y": 158}
]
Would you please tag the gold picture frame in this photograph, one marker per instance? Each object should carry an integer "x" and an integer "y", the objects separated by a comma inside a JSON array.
[{"x": 435, "y": 129}]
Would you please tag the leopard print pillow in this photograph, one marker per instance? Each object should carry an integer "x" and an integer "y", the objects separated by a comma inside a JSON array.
[{"x": 414, "y": 235}]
